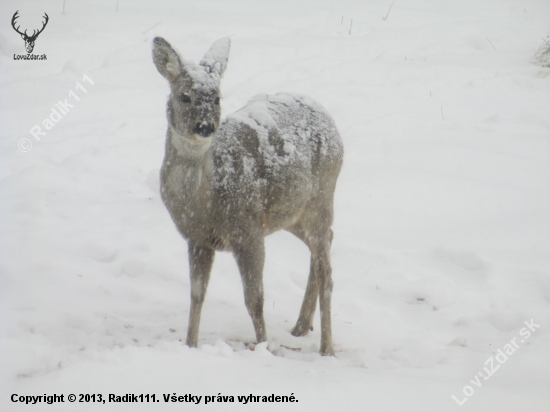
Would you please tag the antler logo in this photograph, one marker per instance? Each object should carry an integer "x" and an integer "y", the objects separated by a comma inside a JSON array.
[{"x": 29, "y": 40}]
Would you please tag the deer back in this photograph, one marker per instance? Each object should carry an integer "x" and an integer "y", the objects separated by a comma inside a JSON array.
[{"x": 271, "y": 158}]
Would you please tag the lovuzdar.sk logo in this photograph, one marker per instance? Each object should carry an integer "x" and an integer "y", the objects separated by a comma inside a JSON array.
[{"x": 29, "y": 40}]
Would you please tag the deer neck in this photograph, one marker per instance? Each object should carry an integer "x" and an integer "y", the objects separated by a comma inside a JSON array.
[
  {"x": 187, "y": 167},
  {"x": 193, "y": 151}
]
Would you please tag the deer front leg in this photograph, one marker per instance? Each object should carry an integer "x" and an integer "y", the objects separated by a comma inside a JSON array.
[
  {"x": 200, "y": 264},
  {"x": 305, "y": 319},
  {"x": 250, "y": 256}
]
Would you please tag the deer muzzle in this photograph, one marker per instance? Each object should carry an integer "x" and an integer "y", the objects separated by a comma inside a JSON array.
[{"x": 203, "y": 129}]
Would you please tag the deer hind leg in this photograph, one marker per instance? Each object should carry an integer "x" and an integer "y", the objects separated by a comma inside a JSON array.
[
  {"x": 200, "y": 265},
  {"x": 322, "y": 262},
  {"x": 319, "y": 284},
  {"x": 250, "y": 257},
  {"x": 305, "y": 319},
  {"x": 318, "y": 238}
]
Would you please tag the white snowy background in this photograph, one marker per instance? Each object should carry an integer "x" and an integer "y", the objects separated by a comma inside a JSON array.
[{"x": 442, "y": 211}]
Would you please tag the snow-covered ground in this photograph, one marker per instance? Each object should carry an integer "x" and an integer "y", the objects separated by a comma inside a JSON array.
[{"x": 442, "y": 226}]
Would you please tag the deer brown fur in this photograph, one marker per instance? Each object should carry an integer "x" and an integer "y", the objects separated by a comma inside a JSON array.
[{"x": 269, "y": 166}]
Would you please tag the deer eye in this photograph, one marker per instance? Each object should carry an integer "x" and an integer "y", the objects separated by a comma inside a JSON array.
[
  {"x": 185, "y": 98},
  {"x": 217, "y": 100}
]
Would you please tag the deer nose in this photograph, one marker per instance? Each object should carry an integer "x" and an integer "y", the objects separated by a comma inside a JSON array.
[{"x": 204, "y": 129}]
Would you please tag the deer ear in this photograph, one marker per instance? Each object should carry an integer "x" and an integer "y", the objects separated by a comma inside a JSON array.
[
  {"x": 23, "y": 36},
  {"x": 166, "y": 59},
  {"x": 215, "y": 59}
]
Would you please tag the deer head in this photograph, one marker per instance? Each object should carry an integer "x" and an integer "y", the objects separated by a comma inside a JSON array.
[
  {"x": 29, "y": 40},
  {"x": 193, "y": 107}
]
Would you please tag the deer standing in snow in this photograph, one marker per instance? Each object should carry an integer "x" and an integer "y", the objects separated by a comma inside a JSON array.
[{"x": 269, "y": 166}]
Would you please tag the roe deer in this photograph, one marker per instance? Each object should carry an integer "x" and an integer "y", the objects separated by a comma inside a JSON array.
[{"x": 271, "y": 165}]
